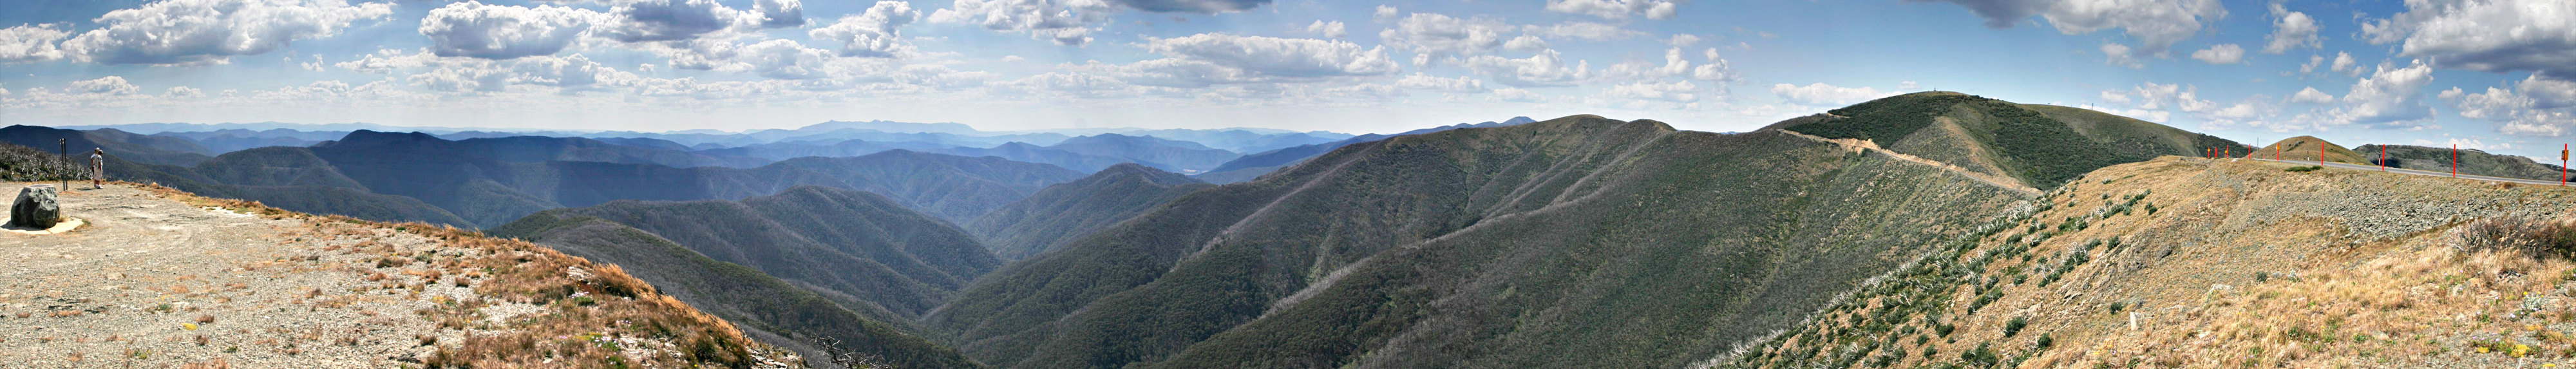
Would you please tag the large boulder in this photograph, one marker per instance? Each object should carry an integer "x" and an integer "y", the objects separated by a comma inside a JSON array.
[{"x": 36, "y": 207}]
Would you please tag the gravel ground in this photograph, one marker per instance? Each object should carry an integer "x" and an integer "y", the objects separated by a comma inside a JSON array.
[{"x": 152, "y": 282}]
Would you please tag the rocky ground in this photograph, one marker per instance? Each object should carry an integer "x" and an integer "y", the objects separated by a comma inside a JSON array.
[{"x": 160, "y": 279}]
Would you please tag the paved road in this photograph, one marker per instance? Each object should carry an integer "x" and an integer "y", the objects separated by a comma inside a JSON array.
[{"x": 2421, "y": 172}]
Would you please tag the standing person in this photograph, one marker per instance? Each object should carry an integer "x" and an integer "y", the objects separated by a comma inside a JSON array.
[{"x": 97, "y": 167}]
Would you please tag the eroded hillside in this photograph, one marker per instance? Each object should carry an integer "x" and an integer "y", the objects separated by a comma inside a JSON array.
[
  {"x": 160, "y": 278},
  {"x": 2198, "y": 263}
]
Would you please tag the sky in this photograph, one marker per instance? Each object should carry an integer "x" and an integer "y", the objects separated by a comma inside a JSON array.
[{"x": 2483, "y": 74}]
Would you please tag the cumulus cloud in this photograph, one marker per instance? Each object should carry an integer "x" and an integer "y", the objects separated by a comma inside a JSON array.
[
  {"x": 473, "y": 29},
  {"x": 1384, "y": 13},
  {"x": 1280, "y": 57},
  {"x": 1821, "y": 94},
  {"x": 30, "y": 43},
  {"x": 183, "y": 92},
  {"x": 1193, "y": 6},
  {"x": 2291, "y": 30},
  {"x": 1714, "y": 69},
  {"x": 785, "y": 59},
  {"x": 1618, "y": 9},
  {"x": 2484, "y": 35},
  {"x": 1429, "y": 35},
  {"x": 1333, "y": 29},
  {"x": 1524, "y": 43},
  {"x": 109, "y": 85},
  {"x": 1548, "y": 68},
  {"x": 2310, "y": 95},
  {"x": 199, "y": 31},
  {"x": 1421, "y": 81},
  {"x": 873, "y": 33},
  {"x": 2311, "y": 66},
  {"x": 2344, "y": 63},
  {"x": 2391, "y": 94},
  {"x": 2155, "y": 24},
  {"x": 1067, "y": 22},
  {"x": 780, "y": 13},
  {"x": 667, "y": 20},
  {"x": 2220, "y": 54},
  {"x": 1587, "y": 31},
  {"x": 2535, "y": 106},
  {"x": 1674, "y": 91}
]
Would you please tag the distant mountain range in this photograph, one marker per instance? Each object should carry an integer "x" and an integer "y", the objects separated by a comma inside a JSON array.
[{"x": 1250, "y": 166}]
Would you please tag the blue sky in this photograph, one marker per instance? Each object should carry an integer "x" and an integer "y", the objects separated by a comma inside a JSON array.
[{"x": 2480, "y": 73}]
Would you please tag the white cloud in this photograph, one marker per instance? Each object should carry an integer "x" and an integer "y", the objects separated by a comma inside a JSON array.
[
  {"x": 1526, "y": 43},
  {"x": 503, "y": 32},
  {"x": 785, "y": 59},
  {"x": 1618, "y": 9},
  {"x": 1333, "y": 29},
  {"x": 781, "y": 13},
  {"x": 1548, "y": 68},
  {"x": 1421, "y": 81},
  {"x": 2485, "y": 35},
  {"x": 1431, "y": 35},
  {"x": 183, "y": 92},
  {"x": 873, "y": 33},
  {"x": 1674, "y": 65},
  {"x": 1587, "y": 31},
  {"x": 2310, "y": 95},
  {"x": 1067, "y": 22},
  {"x": 30, "y": 43},
  {"x": 200, "y": 31},
  {"x": 1278, "y": 57},
  {"x": 1384, "y": 13},
  {"x": 671, "y": 20},
  {"x": 2390, "y": 95},
  {"x": 2291, "y": 30},
  {"x": 2115, "y": 96},
  {"x": 2311, "y": 66},
  {"x": 1682, "y": 40},
  {"x": 2155, "y": 24},
  {"x": 1192, "y": 6},
  {"x": 2117, "y": 54},
  {"x": 109, "y": 85},
  {"x": 1714, "y": 68},
  {"x": 2220, "y": 54},
  {"x": 1508, "y": 94},
  {"x": 1674, "y": 91},
  {"x": 1820, "y": 94},
  {"x": 2344, "y": 63},
  {"x": 2536, "y": 106}
]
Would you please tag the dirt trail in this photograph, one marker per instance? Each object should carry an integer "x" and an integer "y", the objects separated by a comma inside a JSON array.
[{"x": 154, "y": 282}]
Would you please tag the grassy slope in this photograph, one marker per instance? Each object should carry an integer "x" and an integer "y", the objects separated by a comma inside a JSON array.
[
  {"x": 1066, "y": 211},
  {"x": 1167, "y": 286},
  {"x": 2041, "y": 145},
  {"x": 857, "y": 248},
  {"x": 2305, "y": 148},
  {"x": 2470, "y": 161},
  {"x": 766, "y": 308},
  {"x": 2223, "y": 264}
]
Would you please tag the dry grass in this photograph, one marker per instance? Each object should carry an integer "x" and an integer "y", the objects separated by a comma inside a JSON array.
[{"x": 596, "y": 316}]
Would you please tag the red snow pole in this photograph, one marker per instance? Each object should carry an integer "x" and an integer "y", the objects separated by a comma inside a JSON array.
[{"x": 2455, "y": 160}]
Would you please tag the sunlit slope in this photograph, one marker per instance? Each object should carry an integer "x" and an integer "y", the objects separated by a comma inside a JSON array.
[
  {"x": 2040, "y": 145},
  {"x": 2190, "y": 263},
  {"x": 1579, "y": 241},
  {"x": 2307, "y": 149}
]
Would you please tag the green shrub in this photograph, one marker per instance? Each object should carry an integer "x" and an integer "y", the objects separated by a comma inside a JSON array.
[
  {"x": 2310, "y": 168},
  {"x": 2015, "y": 325}
]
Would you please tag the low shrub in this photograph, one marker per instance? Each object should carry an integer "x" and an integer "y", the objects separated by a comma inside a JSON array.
[{"x": 2538, "y": 238}]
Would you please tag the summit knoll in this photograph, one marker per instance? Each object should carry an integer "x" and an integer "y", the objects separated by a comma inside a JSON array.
[{"x": 2040, "y": 145}]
